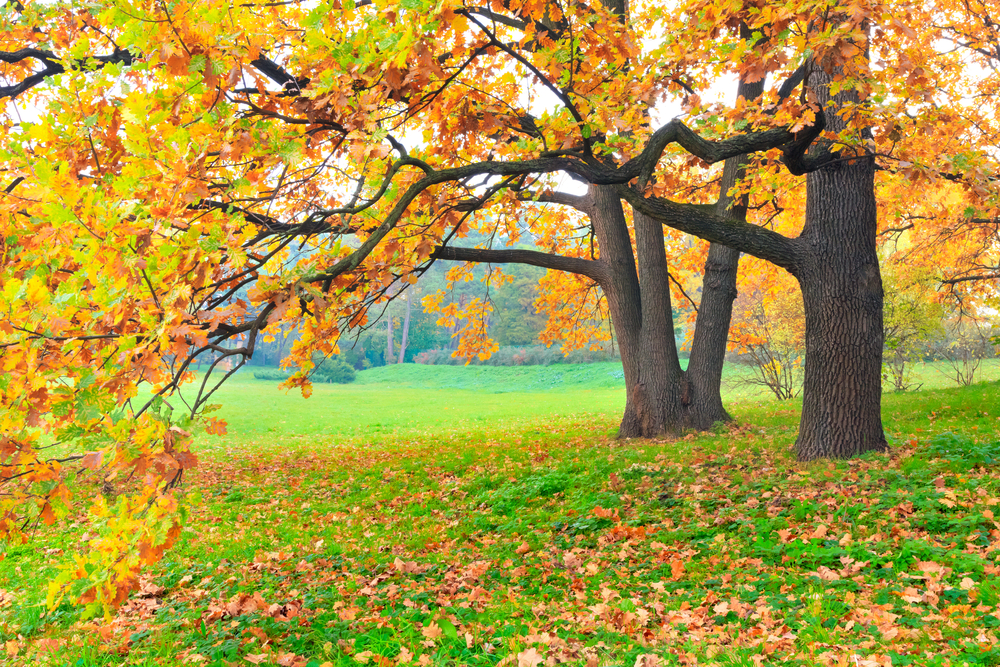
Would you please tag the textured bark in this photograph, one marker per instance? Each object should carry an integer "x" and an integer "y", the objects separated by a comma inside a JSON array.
[
  {"x": 703, "y": 377},
  {"x": 655, "y": 397},
  {"x": 638, "y": 295},
  {"x": 621, "y": 289},
  {"x": 838, "y": 271}
]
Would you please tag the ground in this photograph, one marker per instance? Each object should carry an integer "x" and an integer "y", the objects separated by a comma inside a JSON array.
[{"x": 484, "y": 516}]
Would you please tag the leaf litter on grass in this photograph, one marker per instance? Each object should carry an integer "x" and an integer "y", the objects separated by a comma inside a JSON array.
[{"x": 570, "y": 549}]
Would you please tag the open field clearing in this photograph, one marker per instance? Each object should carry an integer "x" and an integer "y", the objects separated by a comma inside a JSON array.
[{"x": 485, "y": 516}]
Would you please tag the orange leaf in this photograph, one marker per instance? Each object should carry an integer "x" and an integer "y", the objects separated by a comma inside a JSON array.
[{"x": 48, "y": 516}]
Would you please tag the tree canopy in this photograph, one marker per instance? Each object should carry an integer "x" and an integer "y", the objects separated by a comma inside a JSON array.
[{"x": 159, "y": 158}]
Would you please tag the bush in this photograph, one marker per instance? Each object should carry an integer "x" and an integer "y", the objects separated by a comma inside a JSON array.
[
  {"x": 272, "y": 374},
  {"x": 532, "y": 355},
  {"x": 966, "y": 343},
  {"x": 768, "y": 333},
  {"x": 334, "y": 371}
]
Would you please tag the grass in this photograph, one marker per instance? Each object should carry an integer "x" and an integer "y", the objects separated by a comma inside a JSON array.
[{"x": 484, "y": 516}]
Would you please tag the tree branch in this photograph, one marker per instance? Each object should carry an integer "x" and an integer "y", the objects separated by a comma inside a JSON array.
[
  {"x": 53, "y": 66},
  {"x": 965, "y": 279},
  {"x": 895, "y": 230},
  {"x": 593, "y": 269},
  {"x": 711, "y": 152},
  {"x": 702, "y": 221},
  {"x": 277, "y": 73},
  {"x": 793, "y": 80},
  {"x": 498, "y": 18},
  {"x": 578, "y": 202},
  {"x": 559, "y": 92}
]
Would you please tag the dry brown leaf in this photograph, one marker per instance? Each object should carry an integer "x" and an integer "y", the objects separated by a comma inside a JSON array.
[
  {"x": 530, "y": 658},
  {"x": 431, "y": 631}
]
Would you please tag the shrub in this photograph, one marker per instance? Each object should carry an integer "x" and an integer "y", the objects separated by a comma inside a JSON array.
[
  {"x": 271, "y": 374},
  {"x": 334, "y": 371},
  {"x": 768, "y": 333},
  {"x": 530, "y": 355},
  {"x": 966, "y": 343},
  {"x": 912, "y": 318}
]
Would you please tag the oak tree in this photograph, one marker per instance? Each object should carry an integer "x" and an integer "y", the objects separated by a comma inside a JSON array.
[{"x": 163, "y": 159}]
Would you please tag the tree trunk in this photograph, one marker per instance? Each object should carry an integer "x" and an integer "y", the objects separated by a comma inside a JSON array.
[
  {"x": 838, "y": 270},
  {"x": 389, "y": 354},
  {"x": 406, "y": 330},
  {"x": 639, "y": 302},
  {"x": 621, "y": 289},
  {"x": 703, "y": 377},
  {"x": 656, "y": 395}
]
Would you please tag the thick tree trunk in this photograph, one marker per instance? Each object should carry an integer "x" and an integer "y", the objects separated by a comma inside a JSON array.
[
  {"x": 621, "y": 289},
  {"x": 703, "y": 377},
  {"x": 638, "y": 294},
  {"x": 636, "y": 300},
  {"x": 842, "y": 293},
  {"x": 837, "y": 268},
  {"x": 655, "y": 398}
]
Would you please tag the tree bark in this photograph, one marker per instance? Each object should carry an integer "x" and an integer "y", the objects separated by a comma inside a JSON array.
[
  {"x": 621, "y": 289},
  {"x": 838, "y": 270},
  {"x": 655, "y": 397},
  {"x": 638, "y": 294},
  {"x": 703, "y": 377}
]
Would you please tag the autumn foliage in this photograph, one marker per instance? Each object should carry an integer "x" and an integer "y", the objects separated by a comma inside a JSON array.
[{"x": 160, "y": 161}]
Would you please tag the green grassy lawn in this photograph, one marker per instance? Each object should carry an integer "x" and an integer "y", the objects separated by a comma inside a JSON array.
[
  {"x": 410, "y": 402},
  {"x": 485, "y": 516}
]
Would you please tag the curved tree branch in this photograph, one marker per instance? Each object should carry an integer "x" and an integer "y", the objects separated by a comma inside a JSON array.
[
  {"x": 53, "y": 66},
  {"x": 702, "y": 221},
  {"x": 711, "y": 152}
]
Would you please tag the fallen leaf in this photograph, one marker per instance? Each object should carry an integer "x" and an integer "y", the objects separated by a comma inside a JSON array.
[
  {"x": 529, "y": 658},
  {"x": 431, "y": 631}
]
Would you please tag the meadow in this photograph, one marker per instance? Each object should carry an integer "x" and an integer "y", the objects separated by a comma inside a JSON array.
[{"x": 487, "y": 516}]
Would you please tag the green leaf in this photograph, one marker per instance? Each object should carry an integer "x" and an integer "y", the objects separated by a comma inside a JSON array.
[{"x": 449, "y": 630}]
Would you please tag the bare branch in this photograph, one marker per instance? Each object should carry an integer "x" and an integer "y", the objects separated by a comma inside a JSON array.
[
  {"x": 578, "y": 202},
  {"x": 593, "y": 269}
]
